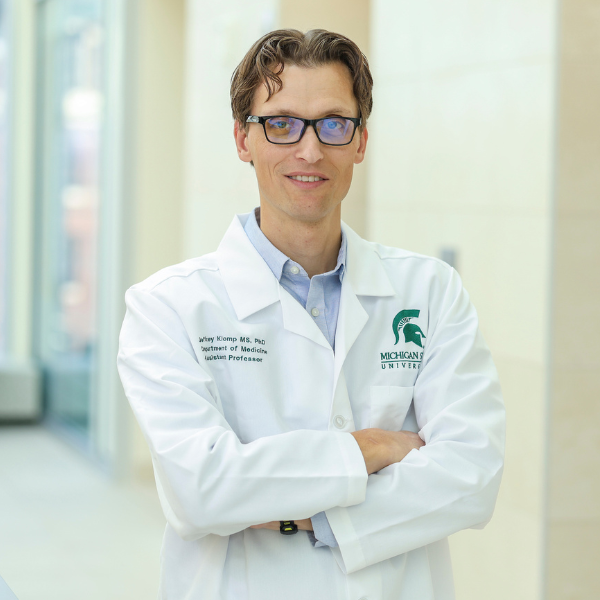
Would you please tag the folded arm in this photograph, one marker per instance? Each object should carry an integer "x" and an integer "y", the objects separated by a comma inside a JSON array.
[
  {"x": 207, "y": 480},
  {"x": 452, "y": 482},
  {"x": 379, "y": 448}
]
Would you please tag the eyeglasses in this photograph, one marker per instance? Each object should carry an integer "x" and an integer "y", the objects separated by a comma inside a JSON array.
[{"x": 332, "y": 131}]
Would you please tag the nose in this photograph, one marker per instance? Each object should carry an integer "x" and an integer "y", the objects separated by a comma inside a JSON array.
[{"x": 309, "y": 147}]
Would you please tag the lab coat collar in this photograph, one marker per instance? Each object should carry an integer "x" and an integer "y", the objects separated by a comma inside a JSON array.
[
  {"x": 251, "y": 285},
  {"x": 364, "y": 267}
]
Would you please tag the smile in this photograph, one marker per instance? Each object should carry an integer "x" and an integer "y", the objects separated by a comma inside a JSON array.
[{"x": 305, "y": 178}]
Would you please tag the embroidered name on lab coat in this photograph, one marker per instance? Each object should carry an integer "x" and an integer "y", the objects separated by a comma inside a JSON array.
[{"x": 233, "y": 348}]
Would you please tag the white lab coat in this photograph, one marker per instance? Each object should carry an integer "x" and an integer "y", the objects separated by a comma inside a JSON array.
[{"x": 247, "y": 413}]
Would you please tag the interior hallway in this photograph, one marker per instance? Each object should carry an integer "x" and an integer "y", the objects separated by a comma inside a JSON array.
[{"x": 66, "y": 531}]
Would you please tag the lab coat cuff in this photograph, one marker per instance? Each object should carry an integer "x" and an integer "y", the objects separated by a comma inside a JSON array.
[
  {"x": 349, "y": 553},
  {"x": 356, "y": 469}
]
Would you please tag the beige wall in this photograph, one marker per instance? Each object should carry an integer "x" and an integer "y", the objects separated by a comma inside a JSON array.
[
  {"x": 160, "y": 68},
  {"x": 157, "y": 214},
  {"x": 461, "y": 157},
  {"x": 573, "y": 518},
  {"x": 350, "y": 18}
]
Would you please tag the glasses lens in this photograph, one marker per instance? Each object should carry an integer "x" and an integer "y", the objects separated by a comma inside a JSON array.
[
  {"x": 335, "y": 130},
  {"x": 283, "y": 130}
]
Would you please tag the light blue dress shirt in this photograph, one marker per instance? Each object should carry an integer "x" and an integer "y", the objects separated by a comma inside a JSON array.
[{"x": 320, "y": 296}]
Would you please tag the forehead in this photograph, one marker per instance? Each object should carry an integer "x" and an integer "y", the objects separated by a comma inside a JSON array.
[{"x": 310, "y": 92}]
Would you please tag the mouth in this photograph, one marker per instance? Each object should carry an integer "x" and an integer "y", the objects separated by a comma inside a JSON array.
[{"x": 307, "y": 182}]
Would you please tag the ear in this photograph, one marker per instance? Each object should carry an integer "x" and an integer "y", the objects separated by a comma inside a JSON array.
[
  {"x": 362, "y": 147},
  {"x": 241, "y": 142}
]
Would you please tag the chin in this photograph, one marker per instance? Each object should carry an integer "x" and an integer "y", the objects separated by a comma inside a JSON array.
[
  {"x": 312, "y": 209},
  {"x": 310, "y": 214}
]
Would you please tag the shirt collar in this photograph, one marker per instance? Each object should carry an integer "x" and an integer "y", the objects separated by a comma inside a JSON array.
[{"x": 277, "y": 260}]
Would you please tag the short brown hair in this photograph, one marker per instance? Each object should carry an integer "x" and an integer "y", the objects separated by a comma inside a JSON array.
[{"x": 292, "y": 47}]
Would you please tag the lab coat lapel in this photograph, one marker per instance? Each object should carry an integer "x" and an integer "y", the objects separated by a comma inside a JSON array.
[
  {"x": 251, "y": 285},
  {"x": 364, "y": 276},
  {"x": 351, "y": 320}
]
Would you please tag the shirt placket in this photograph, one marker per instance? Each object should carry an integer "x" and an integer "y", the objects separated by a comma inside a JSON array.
[{"x": 315, "y": 304}]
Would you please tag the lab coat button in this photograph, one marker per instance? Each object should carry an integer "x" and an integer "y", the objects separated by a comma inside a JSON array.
[
  {"x": 363, "y": 598},
  {"x": 294, "y": 270},
  {"x": 314, "y": 312},
  {"x": 339, "y": 421}
]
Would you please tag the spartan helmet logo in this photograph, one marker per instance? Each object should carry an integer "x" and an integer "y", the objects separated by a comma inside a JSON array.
[{"x": 412, "y": 332}]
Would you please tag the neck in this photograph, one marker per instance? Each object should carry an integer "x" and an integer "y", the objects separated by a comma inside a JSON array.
[{"x": 314, "y": 245}]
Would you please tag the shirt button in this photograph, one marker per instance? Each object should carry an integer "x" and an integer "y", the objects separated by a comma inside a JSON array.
[
  {"x": 294, "y": 270},
  {"x": 314, "y": 312},
  {"x": 339, "y": 421}
]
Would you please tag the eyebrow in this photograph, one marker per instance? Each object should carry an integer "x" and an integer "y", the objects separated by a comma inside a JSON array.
[{"x": 292, "y": 113}]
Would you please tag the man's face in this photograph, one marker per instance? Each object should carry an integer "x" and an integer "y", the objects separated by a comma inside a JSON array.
[{"x": 311, "y": 93}]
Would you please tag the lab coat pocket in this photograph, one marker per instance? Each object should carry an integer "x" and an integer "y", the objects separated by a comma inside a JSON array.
[{"x": 389, "y": 406}]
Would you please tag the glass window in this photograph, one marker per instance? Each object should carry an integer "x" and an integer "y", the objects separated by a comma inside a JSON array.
[{"x": 70, "y": 109}]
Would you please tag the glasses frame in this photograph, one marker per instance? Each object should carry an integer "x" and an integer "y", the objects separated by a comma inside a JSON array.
[{"x": 255, "y": 119}]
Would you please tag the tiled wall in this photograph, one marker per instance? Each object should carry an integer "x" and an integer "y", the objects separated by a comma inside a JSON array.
[
  {"x": 573, "y": 524},
  {"x": 461, "y": 158}
]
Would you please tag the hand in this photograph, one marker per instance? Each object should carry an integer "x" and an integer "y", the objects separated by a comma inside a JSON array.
[
  {"x": 303, "y": 524},
  {"x": 381, "y": 448}
]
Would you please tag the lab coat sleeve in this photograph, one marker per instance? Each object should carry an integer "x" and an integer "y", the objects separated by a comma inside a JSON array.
[
  {"x": 207, "y": 480},
  {"x": 452, "y": 482}
]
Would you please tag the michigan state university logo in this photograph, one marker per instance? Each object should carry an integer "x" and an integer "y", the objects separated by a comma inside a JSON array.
[
  {"x": 412, "y": 332},
  {"x": 409, "y": 333}
]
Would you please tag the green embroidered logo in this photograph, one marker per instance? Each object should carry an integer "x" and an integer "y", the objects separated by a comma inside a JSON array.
[{"x": 412, "y": 332}]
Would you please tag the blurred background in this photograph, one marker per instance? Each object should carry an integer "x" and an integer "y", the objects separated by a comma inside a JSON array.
[{"x": 117, "y": 159}]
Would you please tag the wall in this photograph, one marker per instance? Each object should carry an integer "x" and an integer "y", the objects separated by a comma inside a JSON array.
[
  {"x": 159, "y": 97},
  {"x": 573, "y": 517},
  {"x": 461, "y": 158},
  {"x": 158, "y": 64}
]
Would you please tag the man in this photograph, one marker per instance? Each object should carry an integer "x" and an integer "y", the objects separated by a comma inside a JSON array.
[{"x": 321, "y": 411}]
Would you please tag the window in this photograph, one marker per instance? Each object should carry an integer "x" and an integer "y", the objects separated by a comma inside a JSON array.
[{"x": 70, "y": 125}]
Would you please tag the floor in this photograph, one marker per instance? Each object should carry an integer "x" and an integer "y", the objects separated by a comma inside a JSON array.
[{"x": 66, "y": 531}]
